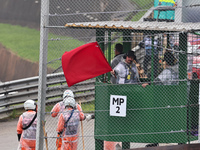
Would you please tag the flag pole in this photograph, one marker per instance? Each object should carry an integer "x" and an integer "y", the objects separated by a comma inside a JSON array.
[
  {"x": 45, "y": 134},
  {"x": 82, "y": 130}
]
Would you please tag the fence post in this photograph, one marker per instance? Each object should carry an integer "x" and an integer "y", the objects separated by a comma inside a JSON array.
[{"x": 42, "y": 72}]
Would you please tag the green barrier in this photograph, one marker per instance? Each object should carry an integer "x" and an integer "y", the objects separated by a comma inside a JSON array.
[{"x": 155, "y": 114}]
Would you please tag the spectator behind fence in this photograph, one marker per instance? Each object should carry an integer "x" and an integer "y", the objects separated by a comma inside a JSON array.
[
  {"x": 118, "y": 57},
  {"x": 126, "y": 71},
  {"x": 170, "y": 75}
]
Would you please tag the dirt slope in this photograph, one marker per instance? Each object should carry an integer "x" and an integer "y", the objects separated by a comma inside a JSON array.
[{"x": 12, "y": 67}]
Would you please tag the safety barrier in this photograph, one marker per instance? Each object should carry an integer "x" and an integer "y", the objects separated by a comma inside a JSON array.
[{"x": 14, "y": 93}]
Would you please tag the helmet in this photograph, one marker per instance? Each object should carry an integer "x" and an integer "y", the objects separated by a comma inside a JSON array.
[
  {"x": 68, "y": 93},
  {"x": 29, "y": 105},
  {"x": 70, "y": 101}
]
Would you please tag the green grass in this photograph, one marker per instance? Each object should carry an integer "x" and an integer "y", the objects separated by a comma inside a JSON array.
[
  {"x": 22, "y": 41},
  {"x": 57, "y": 48},
  {"x": 143, "y": 5},
  {"x": 88, "y": 107},
  {"x": 25, "y": 43},
  {"x": 138, "y": 16}
]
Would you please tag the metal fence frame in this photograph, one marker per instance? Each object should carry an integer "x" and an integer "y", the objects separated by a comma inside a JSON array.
[
  {"x": 15, "y": 93},
  {"x": 42, "y": 70}
]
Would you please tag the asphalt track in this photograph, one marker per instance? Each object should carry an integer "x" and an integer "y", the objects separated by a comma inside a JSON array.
[
  {"x": 8, "y": 135},
  {"x": 9, "y": 141}
]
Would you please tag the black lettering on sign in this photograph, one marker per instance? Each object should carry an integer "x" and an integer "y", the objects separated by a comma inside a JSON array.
[
  {"x": 121, "y": 101},
  {"x": 115, "y": 100},
  {"x": 118, "y": 108}
]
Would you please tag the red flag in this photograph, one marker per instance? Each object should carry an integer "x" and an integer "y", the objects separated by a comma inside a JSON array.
[{"x": 84, "y": 62}]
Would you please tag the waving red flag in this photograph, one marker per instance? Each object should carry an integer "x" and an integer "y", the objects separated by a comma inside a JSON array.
[{"x": 84, "y": 62}]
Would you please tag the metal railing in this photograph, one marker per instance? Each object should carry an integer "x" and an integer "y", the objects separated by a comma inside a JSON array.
[{"x": 14, "y": 93}]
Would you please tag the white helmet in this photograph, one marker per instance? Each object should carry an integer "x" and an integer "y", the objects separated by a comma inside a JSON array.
[
  {"x": 68, "y": 93},
  {"x": 29, "y": 105},
  {"x": 70, "y": 101}
]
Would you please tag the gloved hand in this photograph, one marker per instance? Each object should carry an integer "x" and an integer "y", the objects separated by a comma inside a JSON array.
[
  {"x": 89, "y": 117},
  {"x": 19, "y": 136}
]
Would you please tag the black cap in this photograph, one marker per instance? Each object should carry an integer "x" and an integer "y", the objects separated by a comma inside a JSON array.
[
  {"x": 130, "y": 54},
  {"x": 169, "y": 58}
]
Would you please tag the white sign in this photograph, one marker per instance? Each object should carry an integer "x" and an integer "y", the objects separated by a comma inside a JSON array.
[{"x": 118, "y": 105}]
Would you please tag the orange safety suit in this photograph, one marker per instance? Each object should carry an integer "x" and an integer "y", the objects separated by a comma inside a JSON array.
[
  {"x": 69, "y": 129},
  {"x": 108, "y": 145},
  {"x": 28, "y": 137},
  {"x": 56, "y": 111}
]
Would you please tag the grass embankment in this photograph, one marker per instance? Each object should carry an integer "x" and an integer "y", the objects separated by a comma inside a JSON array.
[{"x": 25, "y": 43}]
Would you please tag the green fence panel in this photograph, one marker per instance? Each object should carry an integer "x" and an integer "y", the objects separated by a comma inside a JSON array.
[{"x": 151, "y": 116}]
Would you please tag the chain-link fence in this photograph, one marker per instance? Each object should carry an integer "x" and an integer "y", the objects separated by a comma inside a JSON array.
[{"x": 156, "y": 100}]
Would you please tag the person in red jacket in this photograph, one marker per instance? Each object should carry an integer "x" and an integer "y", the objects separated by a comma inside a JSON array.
[
  {"x": 68, "y": 124},
  {"x": 26, "y": 127}
]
